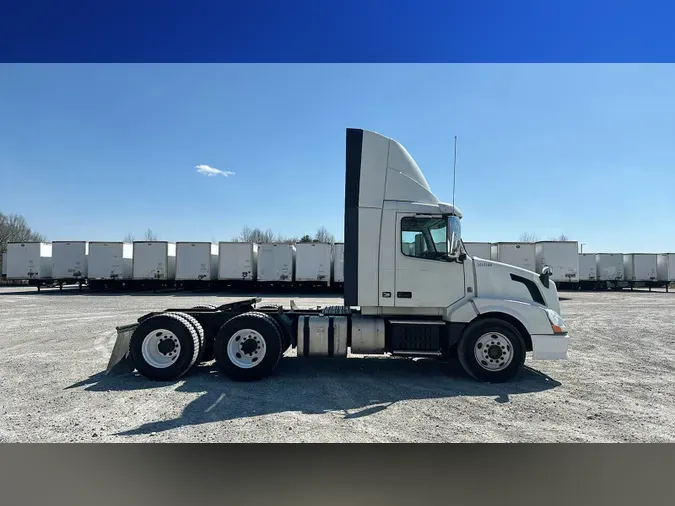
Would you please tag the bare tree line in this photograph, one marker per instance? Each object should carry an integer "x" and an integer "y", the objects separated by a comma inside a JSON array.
[
  {"x": 148, "y": 236},
  {"x": 257, "y": 235},
  {"x": 529, "y": 237},
  {"x": 14, "y": 228}
]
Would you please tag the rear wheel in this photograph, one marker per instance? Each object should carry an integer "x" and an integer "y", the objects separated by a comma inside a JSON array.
[
  {"x": 207, "y": 345},
  {"x": 285, "y": 335},
  {"x": 205, "y": 351},
  {"x": 491, "y": 350},
  {"x": 164, "y": 347},
  {"x": 248, "y": 347}
]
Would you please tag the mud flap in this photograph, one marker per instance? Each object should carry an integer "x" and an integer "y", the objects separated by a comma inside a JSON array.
[{"x": 120, "y": 362}]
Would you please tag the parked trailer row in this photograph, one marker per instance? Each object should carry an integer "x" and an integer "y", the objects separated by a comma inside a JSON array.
[
  {"x": 561, "y": 256},
  {"x": 183, "y": 264},
  {"x": 622, "y": 270},
  {"x": 581, "y": 270},
  {"x": 192, "y": 264}
]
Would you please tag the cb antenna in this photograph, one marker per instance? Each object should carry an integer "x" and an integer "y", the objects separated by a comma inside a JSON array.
[{"x": 454, "y": 173}]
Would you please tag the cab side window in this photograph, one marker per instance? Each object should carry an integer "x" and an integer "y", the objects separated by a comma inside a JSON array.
[{"x": 424, "y": 237}]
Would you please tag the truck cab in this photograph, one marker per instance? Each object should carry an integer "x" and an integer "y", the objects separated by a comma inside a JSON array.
[{"x": 404, "y": 258}]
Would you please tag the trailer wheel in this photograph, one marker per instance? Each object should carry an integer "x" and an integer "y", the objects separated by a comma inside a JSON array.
[
  {"x": 248, "y": 346},
  {"x": 164, "y": 347},
  {"x": 205, "y": 351},
  {"x": 491, "y": 350}
]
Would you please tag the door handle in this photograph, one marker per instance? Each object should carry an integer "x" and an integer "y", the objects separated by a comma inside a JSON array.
[{"x": 404, "y": 295}]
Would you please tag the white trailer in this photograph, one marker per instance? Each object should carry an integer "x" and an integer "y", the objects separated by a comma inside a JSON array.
[
  {"x": 639, "y": 267},
  {"x": 276, "y": 262},
  {"x": 428, "y": 300},
  {"x": 339, "y": 263},
  {"x": 562, "y": 257},
  {"x": 518, "y": 254},
  {"x": 154, "y": 260},
  {"x": 196, "y": 261},
  {"x": 29, "y": 261},
  {"x": 109, "y": 262},
  {"x": 313, "y": 262},
  {"x": 665, "y": 267},
  {"x": 237, "y": 261},
  {"x": 69, "y": 261},
  {"x": 609, "y": 267},
  {"x": 588, "y": 269},
  {"x": 479, "y": 250}
]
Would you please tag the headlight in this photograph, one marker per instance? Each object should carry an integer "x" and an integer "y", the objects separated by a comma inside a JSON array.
[{"x": 557, "y": 322}]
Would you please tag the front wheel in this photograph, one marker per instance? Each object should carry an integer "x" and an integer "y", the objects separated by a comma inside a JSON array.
[{"x": 491, "y": 350}]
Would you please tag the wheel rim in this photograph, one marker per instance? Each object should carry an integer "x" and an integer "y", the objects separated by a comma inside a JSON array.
[
  {"x": 246, "y": 348},
  {"x": 160, "y": 348},
  {"x": 493, "y": 351}
]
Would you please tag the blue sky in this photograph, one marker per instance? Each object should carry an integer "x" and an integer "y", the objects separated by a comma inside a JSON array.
[{"x": 92, "y": 152}]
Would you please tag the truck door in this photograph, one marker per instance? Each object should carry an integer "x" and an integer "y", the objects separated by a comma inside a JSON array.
[{"x": 424, "y": 276}]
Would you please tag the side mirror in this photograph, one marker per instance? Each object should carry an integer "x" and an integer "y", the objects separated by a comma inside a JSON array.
[{"x": 547, "y": 271}]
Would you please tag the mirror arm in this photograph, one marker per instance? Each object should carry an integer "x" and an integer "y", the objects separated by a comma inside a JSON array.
[{"x": 544, "y": 279}]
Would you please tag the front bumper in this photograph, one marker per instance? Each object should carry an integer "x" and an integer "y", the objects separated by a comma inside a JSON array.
[{"x": 550, "y": 346}]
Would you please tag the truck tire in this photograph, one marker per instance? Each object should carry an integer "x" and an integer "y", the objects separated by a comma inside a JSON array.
[
  {"x": 164, "y": 347},
  {"x": 248, "y": 346},
  {"x": 285, "y": 337},
  {"x": 205, "y": 351},
  {"x": 491, "y": 350}
]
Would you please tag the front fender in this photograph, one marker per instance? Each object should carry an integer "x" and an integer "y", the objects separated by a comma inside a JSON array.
[{"x": 532, "y": 316}]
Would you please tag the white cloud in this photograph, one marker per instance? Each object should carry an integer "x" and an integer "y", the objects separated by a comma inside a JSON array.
[{"x": 212, "y": 171}]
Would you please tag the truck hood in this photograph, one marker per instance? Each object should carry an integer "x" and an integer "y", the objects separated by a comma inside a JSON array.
[{"x": 499, "y": 280}]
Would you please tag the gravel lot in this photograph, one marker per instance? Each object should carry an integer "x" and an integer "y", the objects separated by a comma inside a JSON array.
[{"x": 618, "y": 384}]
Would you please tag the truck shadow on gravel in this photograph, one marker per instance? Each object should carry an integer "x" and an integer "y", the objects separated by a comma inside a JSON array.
[{"x": 351, "y": 388}]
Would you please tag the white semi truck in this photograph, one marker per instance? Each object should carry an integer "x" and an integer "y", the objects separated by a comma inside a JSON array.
[{"x": 409, "y": 289}]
